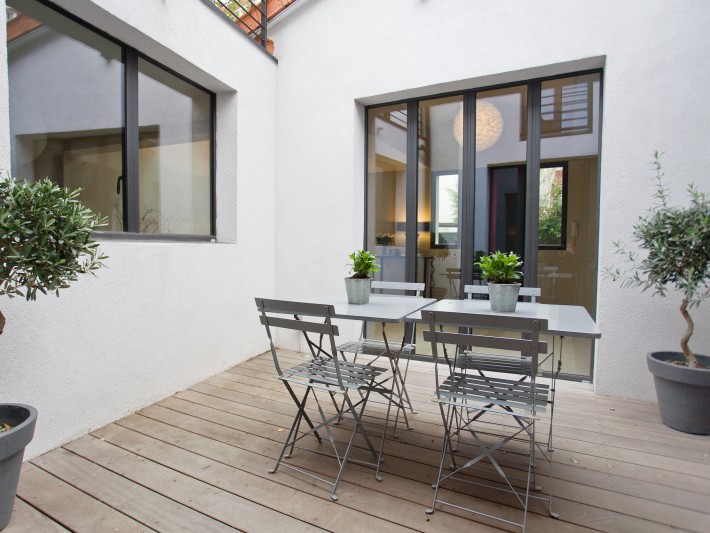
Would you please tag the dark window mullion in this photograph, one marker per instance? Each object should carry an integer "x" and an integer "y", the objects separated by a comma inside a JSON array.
[
  {"x": 412, "y": 196},
  {"x": 468, "y": 190},
  {"x": 532, "y": 184},
  {"x": 213, "y": 159},
  {"x": 130, "y": 149}
]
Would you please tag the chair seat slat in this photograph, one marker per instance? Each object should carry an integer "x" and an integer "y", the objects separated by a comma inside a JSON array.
[{"x": 373, "y": 347}]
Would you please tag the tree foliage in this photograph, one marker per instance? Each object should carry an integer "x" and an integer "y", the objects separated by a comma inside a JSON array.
[
  {"x": 674, "y": 245},
  {"x": 45, "y": 238}
]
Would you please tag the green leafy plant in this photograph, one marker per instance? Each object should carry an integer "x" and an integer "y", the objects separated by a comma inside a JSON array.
[
  {"x": 500, "y": 267},
  {"x": 676, "y": 241},
  {"x": 363, "y": 263},
  {"x": 45, "y": 239}
]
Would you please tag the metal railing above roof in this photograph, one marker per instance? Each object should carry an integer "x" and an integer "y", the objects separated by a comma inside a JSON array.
[{"x": 250, "y": 15}]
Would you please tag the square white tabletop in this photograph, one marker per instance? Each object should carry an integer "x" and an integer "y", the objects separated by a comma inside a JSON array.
[{"x": 568, "y": 320}]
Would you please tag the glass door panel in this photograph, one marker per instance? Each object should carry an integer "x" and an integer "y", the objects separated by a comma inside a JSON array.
[
  {"x": 440, "y": 157},
  {"x": 387, "y": 189},
  {"x": 501, "y": 150},
  {"x": 569, "y": 203}
]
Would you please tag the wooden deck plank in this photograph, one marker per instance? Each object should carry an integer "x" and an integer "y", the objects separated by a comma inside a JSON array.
[
  {"x": 225, "y": 507},
  {"x": 198, "y": 461},
  {"x": 607, "y": 411},
  {"x": 132, "y": 499},
  {"x": 395, "y": 463},
  {"x": 237, "y": 470},
  {"x": 249, "y": 456},
  {"x": 661, "y": 458},
  {"x": 69, "y": 506},
  {"x": 27, "y": 519}
]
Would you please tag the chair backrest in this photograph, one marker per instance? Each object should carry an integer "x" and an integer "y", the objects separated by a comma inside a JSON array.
[
  {"x": 529, "y": 345},
  {"x": 399, "y": 286},
  {"x": 306, "y": 318},
  {"x": 532, "y": 292}
]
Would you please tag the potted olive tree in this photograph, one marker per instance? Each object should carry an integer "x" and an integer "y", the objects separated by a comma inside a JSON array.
[
  {"x": 358, "y": 285},
  {"x": 502, "y": 270},
  {"x": 676, "y": 255},
  {"x": 45, "y": 242}
]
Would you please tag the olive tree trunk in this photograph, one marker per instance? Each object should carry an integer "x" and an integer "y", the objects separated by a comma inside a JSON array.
[{"x": 689, "y": 355}]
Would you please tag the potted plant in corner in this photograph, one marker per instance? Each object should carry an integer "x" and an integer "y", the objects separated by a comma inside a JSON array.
[
  {"x": 502, "y": 270},
  {"x": 358, "y": 285},
  {"x": 45, "y": 242},
  {"x": 677, "y": 245}
]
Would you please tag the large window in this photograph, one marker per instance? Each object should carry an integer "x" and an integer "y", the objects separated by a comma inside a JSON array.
[
  {"x": 511, "y": 168},
  {"x": 87, "y": 111}
]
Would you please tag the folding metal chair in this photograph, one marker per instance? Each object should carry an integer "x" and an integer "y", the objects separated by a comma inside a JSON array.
[
  {"x": 511, "y": 407},
  {"x": 324, "y": 375},
  {"x": 379, "y": 348},
  {"x": 513, "y": 363}
]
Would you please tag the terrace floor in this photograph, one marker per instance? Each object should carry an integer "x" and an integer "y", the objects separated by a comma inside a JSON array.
[{"x": 198, "y": 462}]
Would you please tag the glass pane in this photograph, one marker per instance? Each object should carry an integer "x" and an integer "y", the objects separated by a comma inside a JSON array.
[
  {"x": 66, "y": 115},
  {"x": 567, "y": 274},
  {"x": 175, "y": 153},
  {"x": 439, "y": 177},
  {"x": 387, "y": 189},
  {"x": 501, "y": 150},
  {"x": 552, "y": 207}
]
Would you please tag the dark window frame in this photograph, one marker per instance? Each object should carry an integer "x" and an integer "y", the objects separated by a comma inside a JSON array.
[
  {"x": 130, "y": 177},
  {"x": 469, "y": 163}
]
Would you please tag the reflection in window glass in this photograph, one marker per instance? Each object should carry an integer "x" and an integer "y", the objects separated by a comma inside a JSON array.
[
  {"x": 440, "y": 157},
  {"x": 445, "y": 210},
  {"x": 174, "y": 156},
  {"x": 387, "y": 189},
  {"x": 552, "y": 207},
  {"x": 501, "y": 152},
  {"x": 66, "y": 117}
]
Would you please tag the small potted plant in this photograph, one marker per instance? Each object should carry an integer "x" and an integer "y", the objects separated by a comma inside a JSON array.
[
  {"x": 676, "y": 241},
  {"x": 502, "y": 270},
  {"x": 45, "y": 242},
  {"x": 358, "y": 285}
]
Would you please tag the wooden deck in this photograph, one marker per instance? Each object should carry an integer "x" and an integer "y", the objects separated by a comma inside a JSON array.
[{"x": 198, "y": 462}]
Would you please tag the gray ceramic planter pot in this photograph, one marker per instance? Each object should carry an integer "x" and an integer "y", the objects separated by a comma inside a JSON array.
[
  {"x": 22, "y": 418},
  {"x": 358, "y": 290},
  {"x": 683, "y": 393},
  {"x": 503, "y": 296}
]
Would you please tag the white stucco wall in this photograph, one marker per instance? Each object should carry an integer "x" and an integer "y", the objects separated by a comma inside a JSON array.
[
  {"x": 162, "y": 315},
  {"x": 336, "y": 55},
  {"x": 4, "y": 99}
]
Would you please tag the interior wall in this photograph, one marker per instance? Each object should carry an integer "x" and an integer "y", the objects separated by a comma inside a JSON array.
[
  {"x": 162, "y": 315},
  {"x": 652, "y": 99}
]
